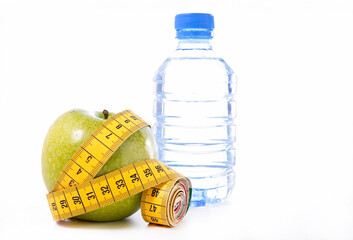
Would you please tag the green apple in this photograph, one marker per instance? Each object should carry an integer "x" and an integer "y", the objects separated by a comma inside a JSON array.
[{"x": 65, "y": 137}]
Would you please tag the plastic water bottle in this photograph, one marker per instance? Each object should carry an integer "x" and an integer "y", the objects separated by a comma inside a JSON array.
[{"x": 194, "y": 111}]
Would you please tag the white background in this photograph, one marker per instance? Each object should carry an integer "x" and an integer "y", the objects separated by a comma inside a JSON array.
[{"x": 294, "y": 62}]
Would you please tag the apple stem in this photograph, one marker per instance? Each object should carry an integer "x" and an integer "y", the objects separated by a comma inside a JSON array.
[{"x": 105, "y": 114}]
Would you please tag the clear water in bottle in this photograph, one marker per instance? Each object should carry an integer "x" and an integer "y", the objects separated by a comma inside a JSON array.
[{"x": 194, "y": 111}]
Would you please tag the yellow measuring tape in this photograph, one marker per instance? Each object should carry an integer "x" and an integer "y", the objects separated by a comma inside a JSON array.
[{"x": 166, "y": 193}]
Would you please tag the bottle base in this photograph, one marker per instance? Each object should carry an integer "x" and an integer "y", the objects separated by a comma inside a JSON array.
[
  {"x": 220, "y": 190},
  {"x": 210, "y": 185},
  {"x": 201, "y": 197}
]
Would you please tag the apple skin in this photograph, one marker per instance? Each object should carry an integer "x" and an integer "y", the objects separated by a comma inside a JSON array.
[{"x": 65, "y": 137}]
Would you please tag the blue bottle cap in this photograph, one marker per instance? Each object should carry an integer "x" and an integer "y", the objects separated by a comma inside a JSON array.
[{"x": 194, "y": 25}]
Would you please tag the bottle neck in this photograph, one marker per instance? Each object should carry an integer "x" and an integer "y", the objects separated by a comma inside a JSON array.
[{"x": 194, "y": 44}]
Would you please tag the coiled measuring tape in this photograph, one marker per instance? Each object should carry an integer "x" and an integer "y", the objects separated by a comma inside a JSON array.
[{"x": 166, "y": 193}]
